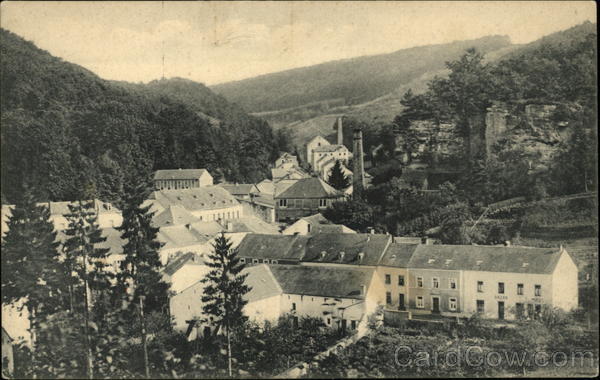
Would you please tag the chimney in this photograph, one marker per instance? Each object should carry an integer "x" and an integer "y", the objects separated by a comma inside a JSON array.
[
  {"x": 358, "y": 175},
  {"x": 340, "y": 131}
]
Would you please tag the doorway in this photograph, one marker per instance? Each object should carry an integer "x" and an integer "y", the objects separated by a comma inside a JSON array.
[
  {"x": 435, "y": 304},
  {"x": 500, "y": 309}
]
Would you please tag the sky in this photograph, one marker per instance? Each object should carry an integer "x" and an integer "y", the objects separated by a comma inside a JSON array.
[{"x": 215, "y": 42}]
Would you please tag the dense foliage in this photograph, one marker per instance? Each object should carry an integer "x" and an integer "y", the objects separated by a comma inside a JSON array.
[
  {"x": 68, "y": 132},
  {"x": 354, "y": 80},
  {"x": 473, "y": 348}
]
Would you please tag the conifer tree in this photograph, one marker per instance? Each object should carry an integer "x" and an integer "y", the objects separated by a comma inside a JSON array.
[
  {"x": 223, "y": 295},
  {"x": 30, "y": 264},
  {"x": 140, "y": 270},
  {"x": 337, "y": 178},
  {"x": 88, "y": 263}
]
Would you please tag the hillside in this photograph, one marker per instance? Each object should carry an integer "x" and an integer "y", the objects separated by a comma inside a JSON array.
[
  {"x": 351, "y": 81},
  {"x": 67, "y": 133}
]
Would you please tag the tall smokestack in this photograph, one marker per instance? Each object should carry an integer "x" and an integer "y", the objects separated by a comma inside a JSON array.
[
  {"x": 358, "y": 176},
  {"x": 340, "y": 132}
]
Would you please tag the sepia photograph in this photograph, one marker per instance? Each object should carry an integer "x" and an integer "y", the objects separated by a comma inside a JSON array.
[{"x": 299, "y": 189}]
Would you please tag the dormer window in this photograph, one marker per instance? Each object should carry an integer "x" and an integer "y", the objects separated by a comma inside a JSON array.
[
  {"x": 430, "y": 261},
  {"x": 525, "y": 265},
  {"x": 448, "y": 261}
]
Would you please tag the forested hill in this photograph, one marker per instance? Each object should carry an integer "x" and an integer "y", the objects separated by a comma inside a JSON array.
[
  {"x": 350, "y": 81},
  {"x": 67, "y": 133}
]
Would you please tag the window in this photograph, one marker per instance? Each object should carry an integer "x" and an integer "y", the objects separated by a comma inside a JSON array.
[
  {"x": 500, "y": 288},
  {"x": 283, "y": 203},
  {"x": 452, "y": 283},
  {"x": 273, "y": 261},
  {"x": 452, "y": 304},
  {"x": 254, "y": 261},
  {"x": 266, "y": 261},
  {"x": 480, "y": 306},
  {"x": 520, "y": 290},
  {"x": 519, "y": 310},
  {"x": 388, "y": 298},
  {"x": 353, "y": 325},
  {"x": 293, "y": 306},
  {"x": 322, "y": 202},
  {"x": 420, "y": 302},
  {"x": 538, "y": 291},
  {"x": 400, "y": 280},
  {"x": 329, "y": 321},
  {"x": 242, "y": 260},
  {"x": 388, "y": 279},
  {"x": 530, "y": 310},
  {"x": 479, "y": 286},
  {"x": 435, "y": 282},
  {"x": 419, "y": 282}
]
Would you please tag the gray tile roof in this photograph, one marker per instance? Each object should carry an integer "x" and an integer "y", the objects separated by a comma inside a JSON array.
[
  {"x": 310, "y": 188},
  {"x": 486, "y": 258},
  {"x": 195, "y": 199},
  {"x": 179, "y": 174},
  {"x": 322, "y": 281},
  {"x": 239, "y": 188},
  {"x": 278, "y": 247},
  {"x": 328, "y": 248},
  {"x": 262, "y": 283},
  {"x": 172, "y": 216},
  {"x": 398, "y": 255}
]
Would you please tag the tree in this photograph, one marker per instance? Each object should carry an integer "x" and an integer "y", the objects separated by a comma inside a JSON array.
[
  {"x": 80, "y": 252},
  {"x": 30, "y": 263},
  {"x": 223, "y": 295},
  {"x": 140, "y": 269},
  {"x": 337, "y": 178},
  {"x": 353, "y": 213}
]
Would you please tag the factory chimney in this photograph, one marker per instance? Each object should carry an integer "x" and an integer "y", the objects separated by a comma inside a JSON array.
[
  {"x": 358, "y": 177},
  {"x": 340, "y": 132}
]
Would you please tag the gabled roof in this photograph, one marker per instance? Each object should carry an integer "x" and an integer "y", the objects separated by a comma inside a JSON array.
[
  {"x": 173, "y": 216},
  {"x": 252, "y": 224},
  {"x": 174, "y": 265},
  {"x": 329, "y": 148},
  {"x": 262, "y": 283},
  {"x": 486, "y": 258},
  {"x": 322, "y": 281},
  {"x": 178, "y": 236},
  {"x": 240, "y": 188},
  {"x": 317, "y": 218},
  {"x": 206, "y": 228},
  {"x": 330, "y": 229},
  {"x": 179, "y": 174},
  {"x": 398, "y": 255},
  {"x": 327, "y": 248},
  {"x": 195, "y": 199},
  {"x": 312, "y": 187},
  {"x": 278, "y": 247}
]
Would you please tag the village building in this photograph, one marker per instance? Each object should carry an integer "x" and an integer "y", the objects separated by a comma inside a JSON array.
[
  {"x": 286, "y": 160},
  {"x": 315, "y": 224},
  {"x": 363, "y": 250},
  {"x": 240, "y": 190},
  {"x": 271, "y": 249},
  {"x": 393, "y": 271},
  {"x": 263, "y": 302},
  {"x": 495, "y": 281},
  {"x": 208, "y": 203},
  {"x": 177, "y": 179},
  {"x": 107, "y": 215},
  {"x": 341, "y": 297},
  {"x": 261, "y": 205},
  {"x": 293, "y": 173},
  {"x": 304, "y": 198}
]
